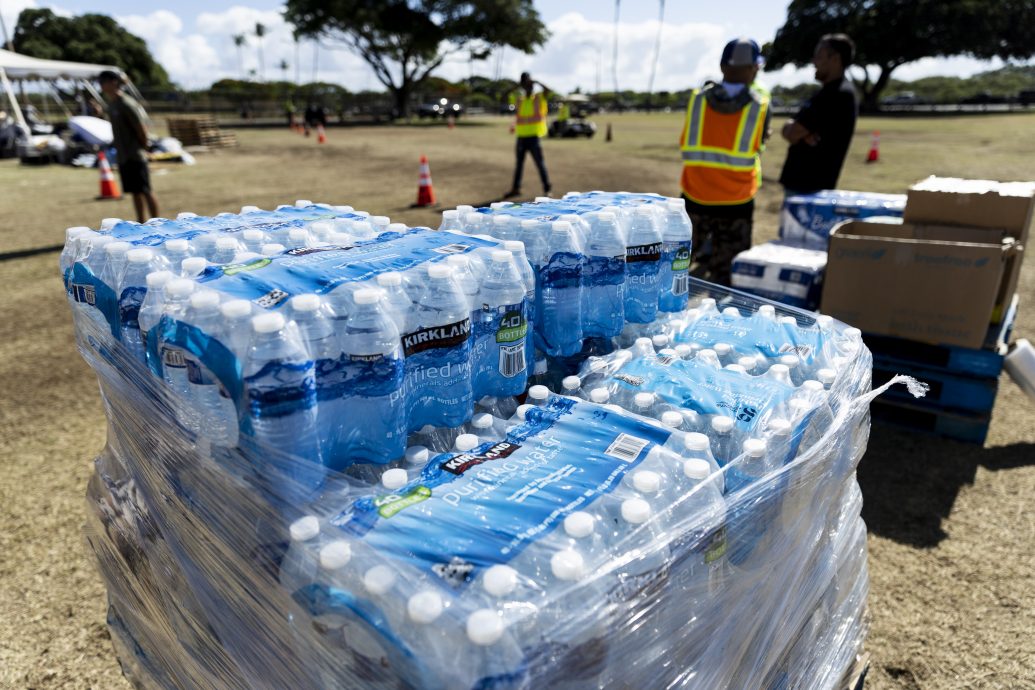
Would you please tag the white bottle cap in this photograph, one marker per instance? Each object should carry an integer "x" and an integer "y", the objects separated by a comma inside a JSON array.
[
  {"x": 514, "y": 246},
  {"x": 824, "y": 321},
  {"x": 642, "y": 400},
  {"x": 779, "y": 427},
  {"x": 417, "y": 456},
  {"x": 731, "y": 311},
  {"x": 367, "y": 296},
  {"x": 482, "y": 421},
  {"x": 176, "y": 245},
  {"x": 397, "y": 227},
  {"x": 671, "y": 418},
  {"x": 567, "y": 565},
  {"x": 813, "y": 385},
  {"x": 250, "y": 209},
  {"x": 272, "y": 249},
  {"x": 522, "y": 410},
  {"x": 707, "y": 302},
  {"x": 722, "y": 349},
  {"x": 378, "y": 580},
  {"x": 497, "y": 205},
  {"x": 529, "y": 224},
  {"x": 302, "y": 203},
  {"x": 826, "y": 376},
  {"x": 790, "y": 361},
  {"x": 179, "y": 288},
  {"x": 451, "y": 214},
  {"x": 579, "y": 524},
  {"x": 236, "y": 308},
  {"x": 747, "y": 362},
  {"x": 502, "y": 256},
  {"x": 736, "y": 367},
  {"x": 383, "y": 221},
  {"x": 853, "y": 332},
  {"x": 307, "y": 302},
  {"x": 464, "y": 208},
  {"x": 225, "y": 243},
  {"x": 787, "y": 321},
  {"x": 439, "y": 270},
  {"x": 683, "y": 350},
  {"x": 466, "y": 442},
  {"x": 109, "y": 223},
  {"x": 644, "y": 343},
  {"x": 484, "y": 627},
  {"x": 600, "y": 395},
  {"x": 117, "y": 247},
  {"x": 722, "y": 424},
  {"x": 779, "y": 369},
  {"x": 695, "y": 468},
  {"x": 304, "y": 528},
  {"x": 635, "y": 511},
  {"x": 193, "y": 265},
  {"x": 394, "y": 478},
  {"x": 270, "y": 322},
  {"x": 500, "y": 580},
  {"x": 390, "y": 279},
  {"x": 538, "y": 392},
  {"x": 659, "y": 341},
  {"x": 571, "y": 383},
  {"x": 646, "y": 481},
  {"x": 140, "y": 255},
  {"x": 184, "y": 215},
  {"x": 204, "y": 299},
  {"x": 696, "y": 441},
  {"x": 75, "y": 231},
  {"x": 157, "y": 279},
  {"x": 335, "y": 555},
  {"x": 560, "y": 227},
  {"x": 768, "y": 311},
  {"x": 298, "y": 234},
  {"x": 458, "y": 260},
  {"x": 755, "y": 447},
  {"x": 667, "y": 352},
  {"x": 424, "y": 607}
]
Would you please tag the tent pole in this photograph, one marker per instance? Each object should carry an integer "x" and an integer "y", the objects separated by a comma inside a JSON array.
[{"x": 15, "y": 108}]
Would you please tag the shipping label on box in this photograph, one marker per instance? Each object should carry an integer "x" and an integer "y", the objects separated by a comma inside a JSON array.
[{"x": 928, "y": 283}]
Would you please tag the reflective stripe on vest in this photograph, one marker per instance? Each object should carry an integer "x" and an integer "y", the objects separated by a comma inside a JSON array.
[
  {"x": 531, "y": 116},
  {"x": 720, "y": 153}
]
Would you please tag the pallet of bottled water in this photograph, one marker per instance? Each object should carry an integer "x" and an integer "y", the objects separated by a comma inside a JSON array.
[{"x": 312, "y": 504}]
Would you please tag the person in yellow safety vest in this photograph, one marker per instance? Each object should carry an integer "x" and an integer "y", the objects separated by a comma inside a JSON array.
[
  {"x": 529, "y": 127},
  {"x": 564, "y": 113},
  {"x": 725, "y": 131}
]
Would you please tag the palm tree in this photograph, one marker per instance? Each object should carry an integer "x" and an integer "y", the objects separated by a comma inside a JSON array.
[
  {"x": 260, "y": 31},
  {"x": 238, "y": 42},
  {"x": 283, "y": 65}
]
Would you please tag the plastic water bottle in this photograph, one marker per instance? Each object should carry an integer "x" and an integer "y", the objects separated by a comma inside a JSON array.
[
  {"x": 322, "y": 344},
  {"x": 722, "y": 439},
  {"x": 193, "y": 266},
  {"x": 534, "y": 235},
  {"x": 300, "y": 566},
  {"x": 151, "y": 311},
  {"x": 500, "y": 367},
  {"x": 68, "y": 252},
  {"x": 225, "y": 250},
  {"x": 439, "y": 339},
  {"x": 538, "y": 395},
  {"x": 642, "y": 267},
  {"x": 237, "y": 315},
  {"x": 603, "y": 297},
  {"x": 397, "y": 302},
  {"x": 132, "y": 290},
  {"x": 218, "y": 416},
  {"x": 571, "y": 386},
  {"x": 674, "y": 276},
  {"x": 174, "y": 360},
  {"x": 464, "y": 277},
  {"x": 527, "y": 273},
  {"x": 451, "y": 221},
  {"x": 280, "y": 395},
  {"x": 483, "y": 427},
  {"x": 560, "y": 293},
  {"x": 375, "y": 401},
  {"x": 253, "y": 239}
]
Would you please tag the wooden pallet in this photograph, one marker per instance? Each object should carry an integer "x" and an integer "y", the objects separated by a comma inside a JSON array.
[
  {"x": 947, "y": 391},
  {"x": 969, "y": 427},
  {"x": 200, "y": 130}
]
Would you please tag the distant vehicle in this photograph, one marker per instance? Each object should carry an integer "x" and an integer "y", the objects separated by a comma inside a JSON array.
[
  {"x": 983, "y": 98},
  {"x": 440, "y": 108},
  {"x": 1026, "y": 97},
  {"x": 904, "y": 98}
]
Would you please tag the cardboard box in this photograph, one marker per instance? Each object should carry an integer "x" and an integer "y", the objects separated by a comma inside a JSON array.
[
  {"x": 935, "y": 284},
  {"x": 976, "y": 203}
]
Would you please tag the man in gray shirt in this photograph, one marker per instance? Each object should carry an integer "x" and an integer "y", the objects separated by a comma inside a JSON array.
[{"x": 130, "y": 139}]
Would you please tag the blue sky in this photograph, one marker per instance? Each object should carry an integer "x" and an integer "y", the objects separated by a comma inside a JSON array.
[{"x": 191, "y": 38}]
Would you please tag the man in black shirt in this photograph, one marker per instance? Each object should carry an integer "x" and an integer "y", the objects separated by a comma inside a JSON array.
[{"x": 820, "y": 133}]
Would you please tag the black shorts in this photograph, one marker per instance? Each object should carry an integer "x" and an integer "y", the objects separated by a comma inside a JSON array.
[{"x": 135, "y": 176}]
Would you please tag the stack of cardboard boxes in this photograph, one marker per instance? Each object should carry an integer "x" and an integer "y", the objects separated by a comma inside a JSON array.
[{"x": 935, "y": 296}]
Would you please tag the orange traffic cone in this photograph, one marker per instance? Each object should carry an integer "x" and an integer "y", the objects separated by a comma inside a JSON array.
[
  {"x": 425, "y": 190},
  {"x": 321, "y": 136},
  {"x": 874, "y": 155},
  {"x": 109, "y": 187}
]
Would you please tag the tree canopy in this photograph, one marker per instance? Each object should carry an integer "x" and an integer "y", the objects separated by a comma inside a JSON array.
[
  {"x": 93, "y": 38},
  {"x": 891, "y": 33},
  {"x": 404, "y": 41}
]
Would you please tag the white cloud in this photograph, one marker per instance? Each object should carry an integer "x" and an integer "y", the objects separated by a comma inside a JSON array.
[{"x": 10, "y": 10}]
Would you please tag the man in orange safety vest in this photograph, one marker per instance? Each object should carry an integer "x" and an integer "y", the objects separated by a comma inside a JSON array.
[
  {"x": 726, "y": 127},
  {"x": 529, "y": 127}
]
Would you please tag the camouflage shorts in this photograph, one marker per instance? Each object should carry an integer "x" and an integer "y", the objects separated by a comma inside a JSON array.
[{"x": 716, "y": 242}]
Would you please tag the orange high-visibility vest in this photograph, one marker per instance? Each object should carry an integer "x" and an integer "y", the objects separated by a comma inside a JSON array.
[
  {"x": 721, "y": 165},
  {"x": 531, "y": 116}
]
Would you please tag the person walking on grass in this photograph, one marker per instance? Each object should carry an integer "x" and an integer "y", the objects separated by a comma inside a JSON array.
[
  {"x": 130, "y": 140},
  {"x": 529, "y": 128},
  {"x": 726, "y": 128}
]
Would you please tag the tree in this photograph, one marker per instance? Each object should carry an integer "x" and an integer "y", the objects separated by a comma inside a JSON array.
[
  {"x": 238, "y": 42},
  {"x": 405, "y": 41},
  {"x": 891, "y": 33},
  {"x": 284, "y": 66},
  {"x": 87, "y": 38},
  {"x": 260, "y": 31}
]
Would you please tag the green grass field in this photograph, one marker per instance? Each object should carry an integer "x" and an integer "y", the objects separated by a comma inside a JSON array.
[{"x": 951, "y": 533}]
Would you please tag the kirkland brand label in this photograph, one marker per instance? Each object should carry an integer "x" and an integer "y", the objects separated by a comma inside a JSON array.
[
  {"x": 643, "y": 252},
  {"x": 450, "y": 335},
  {"x": 470, "y": 511}
]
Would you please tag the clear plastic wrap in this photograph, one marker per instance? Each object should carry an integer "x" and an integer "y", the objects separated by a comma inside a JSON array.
[
  {"x": 807, "y": 219},
  {"x": 572, "y": 543},
  {"x": 781, "y": 271}
]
